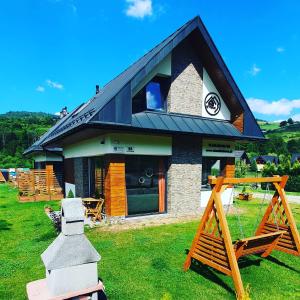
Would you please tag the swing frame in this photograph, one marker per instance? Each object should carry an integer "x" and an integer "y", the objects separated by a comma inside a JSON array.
[{"x": 213, "y": 246}]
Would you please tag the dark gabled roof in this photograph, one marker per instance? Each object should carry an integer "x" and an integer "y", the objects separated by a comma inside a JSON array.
[
  {"x": 239, "y": 153},
  {"x": 295, "y": 156},
  {"x": 268, "y": 158},
  {"x": 174, "y": 123},
  {"x": 37, "y": 145},
  {"x": 242, "y": 155},
  {"x": 115, "y": 94}
]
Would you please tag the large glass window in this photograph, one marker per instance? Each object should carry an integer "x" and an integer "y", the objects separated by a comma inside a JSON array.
[
  {"x": 152, "y": 96},
  {"x": 145, "y": 184}
]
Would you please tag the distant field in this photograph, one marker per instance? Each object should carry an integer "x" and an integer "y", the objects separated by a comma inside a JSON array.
[
  {"x": 268, "y": 126},
  {"x": 286, "y": 132}
]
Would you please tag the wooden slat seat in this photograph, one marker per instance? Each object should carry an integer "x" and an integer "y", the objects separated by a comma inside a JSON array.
[{"x": 263, "y": 243}]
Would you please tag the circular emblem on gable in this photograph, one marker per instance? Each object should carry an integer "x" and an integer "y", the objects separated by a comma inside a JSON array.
[{"x": 212, "y": 104}]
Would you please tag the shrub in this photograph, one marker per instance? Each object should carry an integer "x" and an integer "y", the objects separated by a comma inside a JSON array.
[
  {"x": 241, "y": 169},
  {"x": 293, "y": 184},
  {"x": 253, "y": 165},
  {"x": 70, "y": 194},
  {"x": 284, "y": 168}
]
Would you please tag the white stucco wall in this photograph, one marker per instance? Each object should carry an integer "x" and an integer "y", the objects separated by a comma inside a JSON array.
[
  {"x": 209, "y": 87},
  {"x": 227, "y": 197},
  {"x": 121, "y": 143},
  {"x": 47, "y": 157},
  {"x": 164, "y": 68}
]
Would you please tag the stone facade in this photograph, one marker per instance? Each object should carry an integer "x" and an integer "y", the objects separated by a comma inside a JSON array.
[
  {"x": 81, "y": 177},
  {"x": 184, "y": 176},
  {"x": 185, "y": 94}
]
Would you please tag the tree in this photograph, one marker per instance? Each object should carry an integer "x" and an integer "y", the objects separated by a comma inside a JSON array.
[
  {"x": 253, "y": 165},
  {"x": 290, "y": 121},
  {"x": 283, "y": 123},
  {"x": 293, "y": 145}
]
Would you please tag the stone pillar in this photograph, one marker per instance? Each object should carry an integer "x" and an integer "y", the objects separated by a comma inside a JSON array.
[
  {"x": 184, "y": 176},
  {"x": 81, "y": 177},
  {"x": 185, "y": 94}
]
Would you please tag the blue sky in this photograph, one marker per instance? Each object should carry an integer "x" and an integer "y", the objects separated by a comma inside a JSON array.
[{"x": 54, "y": 52}]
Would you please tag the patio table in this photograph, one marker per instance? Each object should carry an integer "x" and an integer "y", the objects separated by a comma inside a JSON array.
[{"x": 93, "y": 208}]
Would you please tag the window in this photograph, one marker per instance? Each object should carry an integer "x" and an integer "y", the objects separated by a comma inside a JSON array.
[
  {"x": 152, "y": 96},
  {"x": 99, "y": 177},
  {"x": 212, "y": 166},
  {"x": 145, "y": 184}
]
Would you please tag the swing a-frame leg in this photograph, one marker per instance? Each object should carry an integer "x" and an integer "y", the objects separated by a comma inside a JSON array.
[
  {"x": 212, "y": 244},
  {"x": 214, "y": 247},
  {"x": 278, "y": 216}
]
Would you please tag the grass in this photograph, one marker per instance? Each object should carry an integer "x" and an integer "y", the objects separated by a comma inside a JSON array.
[
  {"x": 287, "y": 132},
  {"x": 142, "y": 263},
  {"x": 268, "y": 125}
]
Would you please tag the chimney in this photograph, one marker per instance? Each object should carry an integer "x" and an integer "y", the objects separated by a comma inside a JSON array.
[
  {"x": 63, "y": 112},
  {"x": 97, "y": 89}
]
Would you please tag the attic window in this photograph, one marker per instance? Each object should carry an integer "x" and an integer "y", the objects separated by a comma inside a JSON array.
[{"x": 152, "y": 96}]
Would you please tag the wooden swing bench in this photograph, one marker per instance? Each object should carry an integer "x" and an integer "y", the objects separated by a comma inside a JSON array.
[
  {"x": 264, "y": 244},
  {"x": 212, "y": 244}
]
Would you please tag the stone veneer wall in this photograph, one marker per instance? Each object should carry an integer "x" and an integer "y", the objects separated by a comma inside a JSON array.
[
  {"x": 185, "y": 94},
  {"x": 81, "y": 177},
  {"x": 184, "y": 176}
]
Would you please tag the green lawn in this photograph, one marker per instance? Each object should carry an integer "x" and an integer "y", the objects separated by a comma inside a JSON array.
[{"x": 142, "y": 263}]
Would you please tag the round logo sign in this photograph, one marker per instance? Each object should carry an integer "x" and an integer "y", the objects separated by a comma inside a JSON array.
[{"x": 212, "y": 104}]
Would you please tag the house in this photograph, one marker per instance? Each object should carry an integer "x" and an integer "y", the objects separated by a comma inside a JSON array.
[
  {"x": 264, "y": 159},
  {"x": 149, "y": 138},
  {"x": 241, "y": 155},
  {"x": 295, "y": 157}
]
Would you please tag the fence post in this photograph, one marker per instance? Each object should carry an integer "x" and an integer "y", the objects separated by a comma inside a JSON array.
[{"x": 49, "y": 179}]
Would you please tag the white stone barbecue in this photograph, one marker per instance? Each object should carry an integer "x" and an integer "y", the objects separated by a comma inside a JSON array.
[{"x": 71, "y": 260}]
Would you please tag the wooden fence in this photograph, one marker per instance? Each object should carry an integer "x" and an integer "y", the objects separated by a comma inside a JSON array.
[{"x": 40, "y": 185}]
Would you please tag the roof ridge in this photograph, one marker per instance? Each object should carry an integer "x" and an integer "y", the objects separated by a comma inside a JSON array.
[{"x": 148, "y": 52}]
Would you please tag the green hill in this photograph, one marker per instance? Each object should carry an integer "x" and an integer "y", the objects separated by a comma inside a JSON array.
[
  {"x": 18, "y": 130},
  {"x": 287, "y": 132},
  {"x": 283, "y": 140}
]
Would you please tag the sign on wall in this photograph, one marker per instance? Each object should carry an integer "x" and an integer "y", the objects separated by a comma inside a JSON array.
[
  {"x": 217, "y": 148},
  {"x": 213, "y": 106}
]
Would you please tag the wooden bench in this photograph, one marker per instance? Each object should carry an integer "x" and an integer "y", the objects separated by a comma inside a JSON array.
[{"x": 264, "y": 244}]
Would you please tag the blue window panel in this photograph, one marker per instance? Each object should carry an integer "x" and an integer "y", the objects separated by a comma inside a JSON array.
[{"x": 153, "y": 96}]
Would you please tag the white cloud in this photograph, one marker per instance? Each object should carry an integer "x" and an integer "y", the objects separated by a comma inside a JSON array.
[
  {"x": 296, "y": 117},
  {"x": 283, "y": 107},
  {"x": 255, "y": 70},
  {"x": 280, "y": 49},
  {"x": 54, "y": 85},
  {"x": 139, "y": 8},
  {"x": 40, "y": 89},
  {"x": 57, "y": 113}
]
